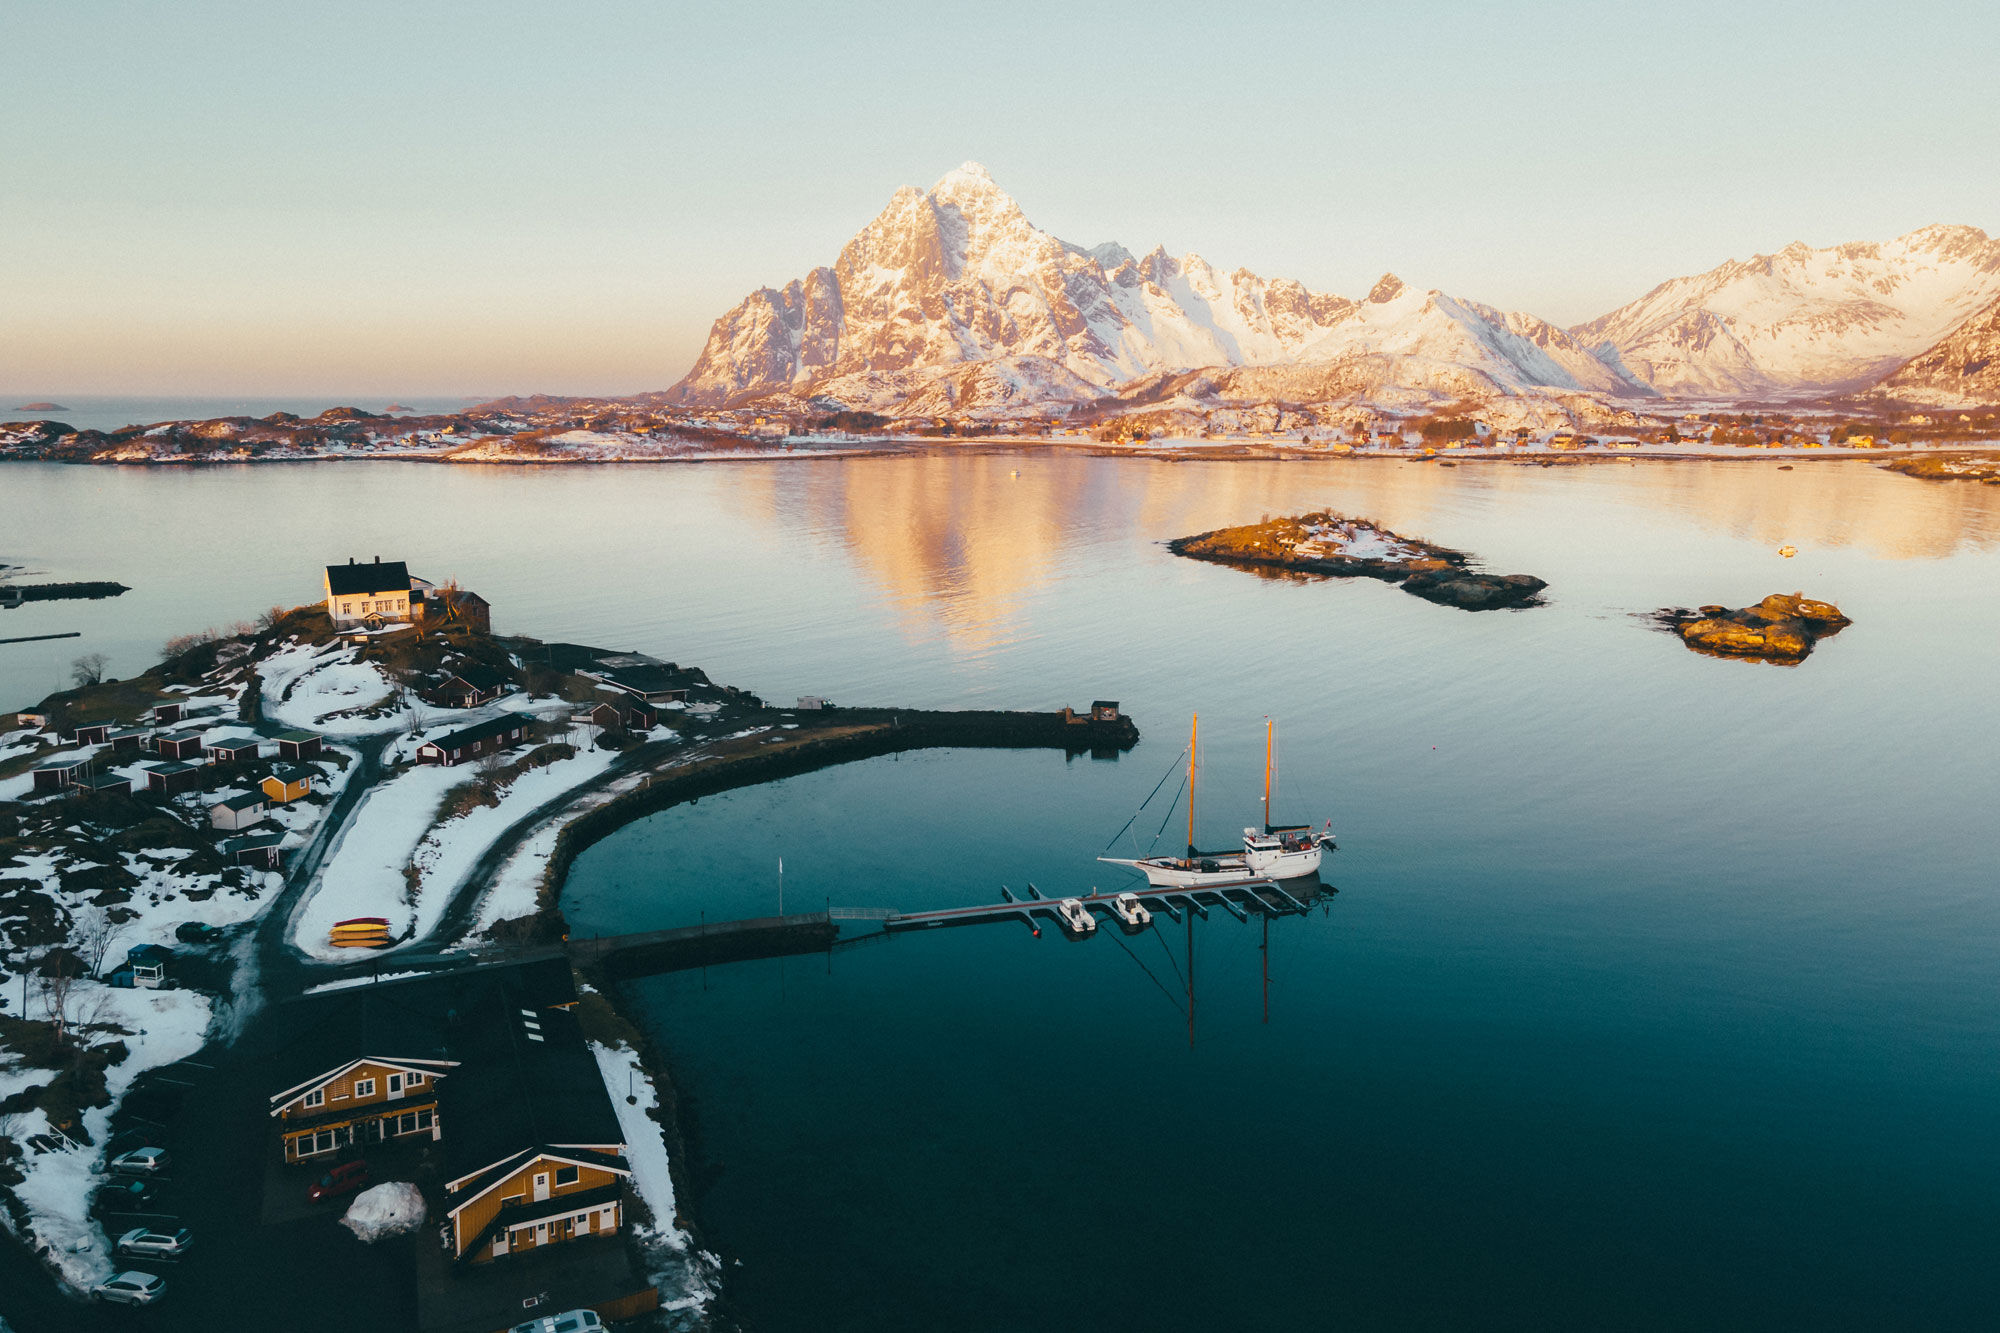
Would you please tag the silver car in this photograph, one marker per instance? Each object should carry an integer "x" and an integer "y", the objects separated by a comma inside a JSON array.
[
  {"x": 569, "y": 1321},
  {"x": 142, "y": 1162},
  {"x": 131, "y": 1289},
  {"x": 142, "y": 1243}
]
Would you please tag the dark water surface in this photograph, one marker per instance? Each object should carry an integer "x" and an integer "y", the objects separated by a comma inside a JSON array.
[{"x": 1660, "y": 991}]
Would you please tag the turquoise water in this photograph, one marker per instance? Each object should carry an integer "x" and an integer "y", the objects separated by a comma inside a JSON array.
[{"x": 1658, "y": 992}]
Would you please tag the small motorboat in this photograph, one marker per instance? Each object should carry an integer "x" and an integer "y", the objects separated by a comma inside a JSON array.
[
  {"x": 1075, "y": 917},
  {"x": 1132, "y": 915}
]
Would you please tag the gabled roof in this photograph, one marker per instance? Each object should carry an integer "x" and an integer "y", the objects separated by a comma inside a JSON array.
[
  {"x": 355, "y": 579},
  {"x": 170, "y": 766},
  {"x": 428, "y": 1068},
  {"x": 290, "y": 773},
  {"x": 63, "y": 763},
  {"x": 297, "y": 736},
  {"x": 249, "y": 800},
  {"x": 234, "y": 743},
  {"x": 251, "y": 842},
  {"x": 604, "y": 1157}
]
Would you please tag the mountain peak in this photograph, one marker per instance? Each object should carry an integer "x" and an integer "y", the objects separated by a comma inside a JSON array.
[
  {"x": 966, "y": 177},
  {"x": 1386, "y": 289}
]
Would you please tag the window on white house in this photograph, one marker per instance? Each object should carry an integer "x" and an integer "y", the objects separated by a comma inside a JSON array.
[
  {"x": 315, "y": 1098},
  {"x": 347, "y": 608},
  {"x": 364, "y": 1087}
]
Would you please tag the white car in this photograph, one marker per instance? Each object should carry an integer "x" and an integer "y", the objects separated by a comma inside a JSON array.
[
  {"x": 131, "y": 1289},
  {"x": 142, "y": 1243},
  {"x": 142, "y": 1162},
  {"x": 569, "y": 1321}
]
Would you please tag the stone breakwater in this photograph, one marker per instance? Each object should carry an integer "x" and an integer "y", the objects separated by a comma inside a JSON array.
[
  {"x": 1330, "y": 545},
  {"x": 1781, "y": 628}
]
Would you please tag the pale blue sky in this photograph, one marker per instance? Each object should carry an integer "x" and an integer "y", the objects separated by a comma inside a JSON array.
[{"x": 408, "y": 198}]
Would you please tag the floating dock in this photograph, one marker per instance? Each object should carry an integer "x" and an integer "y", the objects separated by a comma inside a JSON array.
[{"x": 1242, "y": 899}]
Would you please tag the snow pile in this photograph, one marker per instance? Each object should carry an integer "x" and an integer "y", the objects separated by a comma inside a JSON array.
[
  {"x": 390, "y": 1209},
  {"x": 683, "y": 1276}
]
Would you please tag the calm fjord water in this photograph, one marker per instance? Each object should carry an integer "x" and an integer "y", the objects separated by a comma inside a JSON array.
[{"x": 1659, "y": 991}]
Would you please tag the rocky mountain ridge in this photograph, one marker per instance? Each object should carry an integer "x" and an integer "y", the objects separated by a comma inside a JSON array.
[
  {"x": 951, "y": 302},
  {"x": 1962, "y": 370}
]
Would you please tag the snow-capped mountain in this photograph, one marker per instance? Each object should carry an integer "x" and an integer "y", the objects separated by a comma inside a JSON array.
[
  {"x": 951, "y": 300},
  {"x": 1801, "y": 321},
  {"x": 1962, "y": 370}
]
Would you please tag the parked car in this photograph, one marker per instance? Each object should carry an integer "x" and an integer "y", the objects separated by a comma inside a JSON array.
[
  {"x": 345, "y": 1178},
  {"x": 569, "y": 1321},
  {"x": 143, "y": 1243},
  {"x": 131, "y": 1289},
  {"x": 126, "y": 1196},
  {"x": 197, "y": 932},
  {"x": 141, "y": 1162}
]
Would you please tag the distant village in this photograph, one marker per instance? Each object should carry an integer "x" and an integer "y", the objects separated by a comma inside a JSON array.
[
  {"x": 553, "y": 430},
  {"x": 147, "y": 827}
]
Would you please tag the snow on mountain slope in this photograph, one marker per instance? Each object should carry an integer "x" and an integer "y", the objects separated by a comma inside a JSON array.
[
  {"x": 1961, "y": 370},
  {"x": 951, "y": 300},
  {"x": 1802, "y": 321}
]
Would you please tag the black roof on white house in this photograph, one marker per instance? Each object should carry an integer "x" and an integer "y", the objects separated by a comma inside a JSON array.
[
  {"x": 354, "y": 579},
  {"x": 480, "y": 731}
]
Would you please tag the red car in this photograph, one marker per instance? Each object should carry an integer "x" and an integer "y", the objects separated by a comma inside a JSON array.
[{"x": 342, "y": 1179}]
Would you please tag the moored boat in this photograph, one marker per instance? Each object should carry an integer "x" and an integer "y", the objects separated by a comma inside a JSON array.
[{"x": 1289, "y": 851}]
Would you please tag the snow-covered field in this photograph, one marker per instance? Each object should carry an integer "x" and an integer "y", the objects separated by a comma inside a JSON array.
[
  {"x": 393, "y": 829},
  {"x": 363, "y": 874},
  {"x": 306, "y": 684},
  {"x": 685, "y": 1277},
  {"x": 163, "y": 1026}
]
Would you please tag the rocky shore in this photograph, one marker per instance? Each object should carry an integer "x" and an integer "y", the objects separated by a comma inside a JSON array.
[
  {"x": 1781, "y": 628},
  {"x": 1948, "y": 467},
  {"x": 1329, "y": 545}
]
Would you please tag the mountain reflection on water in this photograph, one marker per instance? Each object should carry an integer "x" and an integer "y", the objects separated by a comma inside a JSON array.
[{"x": 1658, "y": 992}]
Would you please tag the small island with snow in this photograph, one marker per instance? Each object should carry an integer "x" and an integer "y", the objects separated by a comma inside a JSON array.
[{"x": 1329, "y": 545}]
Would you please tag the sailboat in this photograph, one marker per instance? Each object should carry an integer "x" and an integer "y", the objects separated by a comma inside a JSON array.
[{"x": 1276, "y": 851}]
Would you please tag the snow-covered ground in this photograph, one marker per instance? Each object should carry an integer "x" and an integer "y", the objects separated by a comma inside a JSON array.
[
  {"x": 306, "y": 684},
  {"x": 162, "y": 1026},
  {"x": 685, "y": 1277},
  {"x": 392, "y": 829},
  {"x": 363, "y": 874}
]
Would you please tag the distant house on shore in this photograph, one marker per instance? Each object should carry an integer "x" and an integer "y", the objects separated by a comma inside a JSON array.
[
  {"x": 471, "y": 685},
  {"x": 642, "y": 677},
  {"x": 238, "y": 812},
  {"x": 234, "y": 750},
  {"x": 372, "y": 594},
  {"x": 287, "y": 783},
  {"x": 488, "y": 737},
  {"x": 178, "y": 745},
  {"x": 172, "y": 777},
  {"x": 262, "y": 850},
  {"x": 61, "y": 773}
]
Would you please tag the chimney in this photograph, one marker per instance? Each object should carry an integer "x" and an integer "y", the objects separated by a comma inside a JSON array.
[
  {"x": 378, "y": 559},
  {"x": 350, "y": 559}
]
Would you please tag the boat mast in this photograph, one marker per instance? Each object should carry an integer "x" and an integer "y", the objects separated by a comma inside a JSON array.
[
  {"x": 1194, "y": 730},
  {"x": 1270, "y": 730}
]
